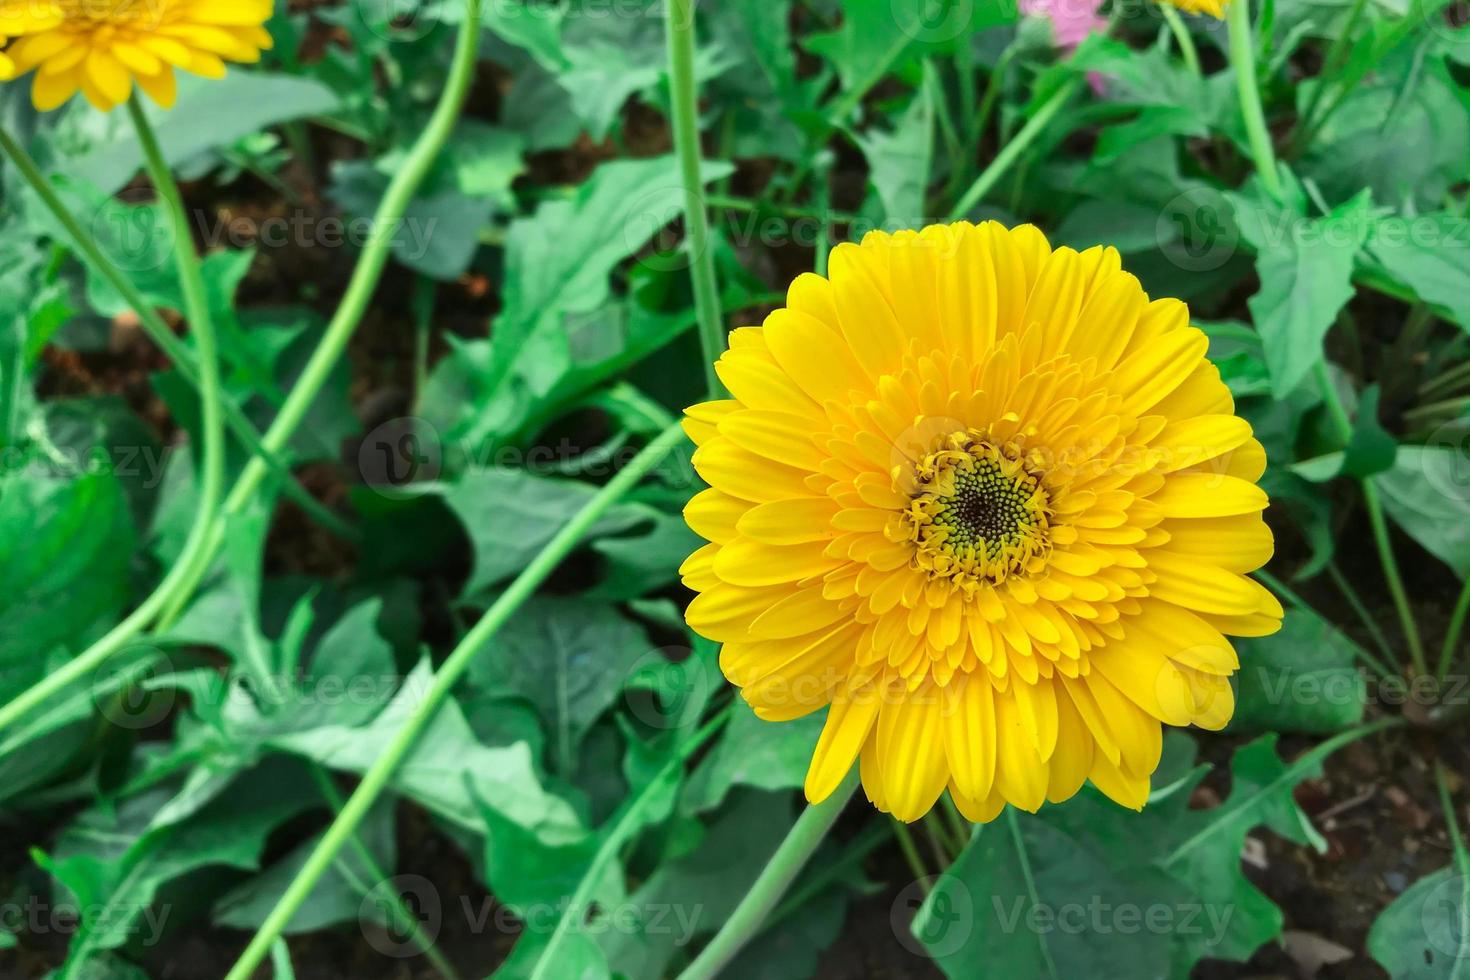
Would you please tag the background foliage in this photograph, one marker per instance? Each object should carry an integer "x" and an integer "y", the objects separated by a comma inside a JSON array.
[{"x": 535, "y": 329}]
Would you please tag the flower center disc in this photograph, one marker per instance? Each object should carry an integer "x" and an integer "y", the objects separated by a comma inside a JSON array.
[{"x": 978, "y": 513}]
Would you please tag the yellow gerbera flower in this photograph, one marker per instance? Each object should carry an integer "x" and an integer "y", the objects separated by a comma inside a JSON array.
[
  {"x": 990, "y": 504},
  {"x": 101, "y": 47},
  {"x": 1215, "y": 8}
]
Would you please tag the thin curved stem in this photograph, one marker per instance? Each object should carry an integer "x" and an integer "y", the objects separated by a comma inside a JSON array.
[
  {"x": 1182, "y": 37},
  {"x": 375, "y": 781},
  {"x": 1291, "y": 596},
  {"x": 211, "y": 464},
  {"x": 1452, "y": 634},
  {"x": 1378, "y": 524},
  {"x": 1360, "y": 609},
  {"x": 910, "y": 851},
  {"x": 746, "y": 921},
  {"x": 360, "y": 288},
  {"x": 1243, "y": 60},
  {"x": 404, "y": 918},
  {"x": 182, "y": 358},
  {"x": 679, "y": 20},
  {"x": 1331, "y": 64},
  {"x": 1012, "y": 151},
  {"x": 622, "y": 831}
]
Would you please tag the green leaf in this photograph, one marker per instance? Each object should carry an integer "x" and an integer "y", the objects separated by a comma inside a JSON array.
[
  {"x": 1427, "y": 493},
  {"x": 440, "y": 229},
  {"x": 1041, "y": 904},
  {"x": 338, "y": 896},
  {"x": 209, "y": 113},
  {"x": 1371, "y": 449},
  {"x": 510, "y": 515},
  {"x": 114, "y": 864},
  {"x": 1402, "y": 133},
  {"x": 443, "y": 760},
  {"x": 65, "y": 551},
  {"x": 1179, "y": 865},
  {"x": 697, "y": 892},
  {"x": 760, "y": 93},
  {"x": 1425, "y": 934},
  {"x": 757, "y": 753},
  {"x": 1430, "y": 254},
  {"x": 1306, "y": 268},
  {"x": 1304, "y": 678},
  {"x": 899, "y": 161},
  {"x": 557, "y": 315},
  {"x": 568, "y": 657}
]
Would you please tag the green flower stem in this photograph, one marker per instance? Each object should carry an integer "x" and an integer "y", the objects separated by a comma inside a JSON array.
[
  {"x": 1331, "y": 64},
  {"x": 910, "y": 851},
  {"x": 622, "y": 831},
  {"x": 360, "y": 289},
  {"x": 182, "y": 358},
  {"x": 375, "y": 781},
  {"x": 961, "y": 828},
  {"x": 1182, "y": 37},
  {"x": 849, "y": 862},
  {"x": 212, "y": 463},
  {"x": 1012, "y": 151},
  {"x": 404, "y": 918},
  {"x": 1290, "y": 595},
  {"x": 746, "y": 921},
  {"x": 1360, "y": 608},
  {"x": 1378, "y": 524},
  {"x": 1243, "y": 60},
  {"x": 679, "y": 21},
  {"x": 1452, "y": 635}
]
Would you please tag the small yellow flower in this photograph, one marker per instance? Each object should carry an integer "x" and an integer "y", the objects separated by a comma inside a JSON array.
[
  {"x": 989, "y": 505},
  {"x": 101, "y": 47},
  {"x": 1215, "y": 8}
]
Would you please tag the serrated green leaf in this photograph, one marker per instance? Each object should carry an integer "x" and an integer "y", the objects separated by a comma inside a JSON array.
[
  {"x": 568, "y": 657},
  {"x": 1306, "y": 268},
  {"x": 1427, "y": 493},
  {"x": 1305, "y": 678},
  {"x": 1425, "y": 933}
]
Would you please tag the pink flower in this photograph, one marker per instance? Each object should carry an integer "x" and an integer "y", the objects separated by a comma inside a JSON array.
[
  {"x": 1071, "y": 23},
  {"x": 1071, "y": 20}
]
